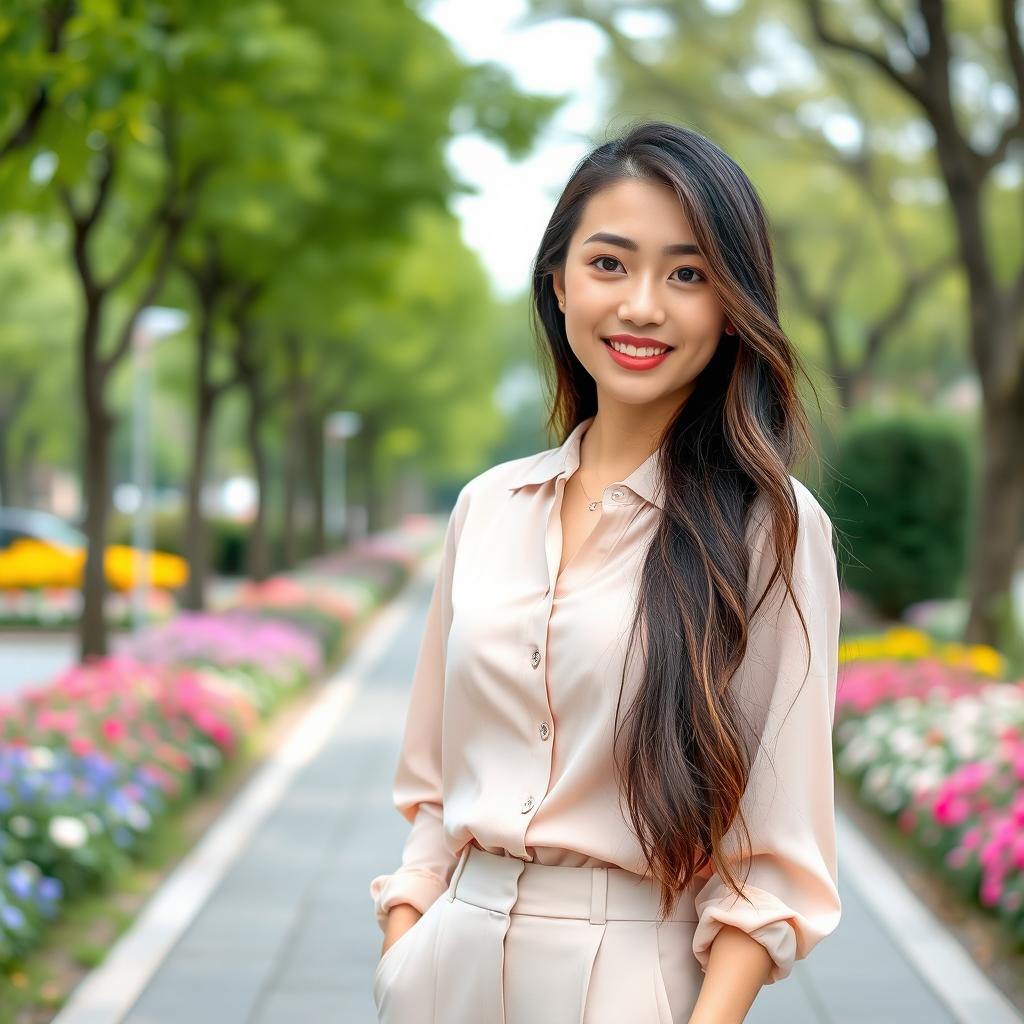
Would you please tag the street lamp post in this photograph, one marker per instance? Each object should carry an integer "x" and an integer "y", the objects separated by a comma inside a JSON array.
[
  {"x": 338, "y": 426},
  {"x": 152, "y": 324}
]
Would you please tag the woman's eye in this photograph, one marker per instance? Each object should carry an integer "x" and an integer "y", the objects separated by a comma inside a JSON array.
[
  {"x": 690, "y": 270},
  {"x": 600, "y": 261}
]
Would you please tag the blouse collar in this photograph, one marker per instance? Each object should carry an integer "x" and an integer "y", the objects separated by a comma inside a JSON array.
[{"x": 565, "y": 460}]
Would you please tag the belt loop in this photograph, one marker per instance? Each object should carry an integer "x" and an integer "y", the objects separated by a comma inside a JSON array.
[
  {"x": 598, "y": 894},
  {"x": 458, "y": 871}
]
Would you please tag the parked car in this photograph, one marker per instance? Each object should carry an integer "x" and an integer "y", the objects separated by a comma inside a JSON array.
[{"x": 39, "y": 549}]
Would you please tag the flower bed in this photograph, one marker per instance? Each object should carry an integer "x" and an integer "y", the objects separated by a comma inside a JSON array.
[
  {"x": 60, "y": 607},
  {"x": 92, "y": 760},
  {"x": 933, "y": 735}
]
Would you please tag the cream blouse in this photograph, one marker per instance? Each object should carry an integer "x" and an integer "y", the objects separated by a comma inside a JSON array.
[{"x": 508, "y": 734}]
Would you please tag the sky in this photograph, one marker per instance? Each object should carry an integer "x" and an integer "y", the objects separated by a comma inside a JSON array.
[{"x": 503, "y": 223}]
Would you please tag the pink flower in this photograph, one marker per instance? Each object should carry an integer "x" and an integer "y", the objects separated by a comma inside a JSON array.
[
  {"x": 950, "y": 810},
  {"x": 80, "y": 745},
  {"x": 113, "y": 730},
  {"x": 971, "y": 839},
  {"x": 991, "y": 890}
]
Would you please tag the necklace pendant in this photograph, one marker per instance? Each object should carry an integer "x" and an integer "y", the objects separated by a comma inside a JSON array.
[{"x": 593, "y": 506}]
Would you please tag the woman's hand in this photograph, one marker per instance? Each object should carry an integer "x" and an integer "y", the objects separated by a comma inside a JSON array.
[{"x": 401, "y": 917}]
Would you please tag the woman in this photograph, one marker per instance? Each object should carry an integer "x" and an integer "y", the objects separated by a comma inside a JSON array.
[{"x": 617, "y": 759}]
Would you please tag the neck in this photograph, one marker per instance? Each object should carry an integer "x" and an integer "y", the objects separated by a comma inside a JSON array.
[{"x": 623, "y": 436}]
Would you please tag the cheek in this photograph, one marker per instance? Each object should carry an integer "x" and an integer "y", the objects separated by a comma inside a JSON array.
[{"x": 587, "y": 298}]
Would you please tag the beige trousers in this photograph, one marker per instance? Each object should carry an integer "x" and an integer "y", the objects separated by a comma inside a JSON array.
[{"x": 513, "y": 942}]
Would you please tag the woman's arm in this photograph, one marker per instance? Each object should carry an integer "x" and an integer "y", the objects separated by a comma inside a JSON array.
[
  {"x": 427, "y": 863},
  {"x": 737, "y": 968},
  {"x": 788, "y": 875},
  {"x": 401, "y": 917}
]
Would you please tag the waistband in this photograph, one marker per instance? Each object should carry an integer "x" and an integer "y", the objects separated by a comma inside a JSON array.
[{"x": 511, "y": 885}]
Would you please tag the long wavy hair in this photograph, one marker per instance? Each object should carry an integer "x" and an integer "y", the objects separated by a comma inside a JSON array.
[{"x": 685, "y": 748}]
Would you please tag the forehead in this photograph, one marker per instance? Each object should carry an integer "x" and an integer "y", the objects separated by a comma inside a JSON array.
[{"x": 647, "y": 211}]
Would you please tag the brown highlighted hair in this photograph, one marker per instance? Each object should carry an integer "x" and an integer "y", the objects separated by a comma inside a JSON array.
[{"x": 687, "y": 747}]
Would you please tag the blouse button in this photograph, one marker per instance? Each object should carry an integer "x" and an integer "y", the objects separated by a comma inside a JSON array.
[
  {"x": 545, "y": 731},
  {"x": 527, "y": 804},
  {"x": 618, "y": 494},
  {"x": 535, "y": 658}
]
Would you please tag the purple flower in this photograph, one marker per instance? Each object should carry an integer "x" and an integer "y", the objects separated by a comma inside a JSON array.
[
  {"x": 19, "y": 882},
  {"x": 12, "y": 917},
  {"x": 49, "y": 889}
]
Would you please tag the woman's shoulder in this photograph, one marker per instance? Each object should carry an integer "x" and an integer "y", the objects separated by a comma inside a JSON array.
[
  {"x": 496, "y": 481},
  {"x": 810, "y": 512}
]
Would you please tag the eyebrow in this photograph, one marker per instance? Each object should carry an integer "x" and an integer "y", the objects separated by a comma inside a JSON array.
[{"x": 679, "y": 249}]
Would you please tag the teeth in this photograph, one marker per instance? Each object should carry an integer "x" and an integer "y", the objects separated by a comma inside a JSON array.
[{"x": 632, "y": 350}]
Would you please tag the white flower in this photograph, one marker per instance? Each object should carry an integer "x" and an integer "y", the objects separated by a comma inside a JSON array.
[
  {"x": 138, "y": 817},
  {"x": 926, "y": 779},
  {"x": 908, "y": 708},
  {"x": 40, "y": 758},
  {"x": 877, "y": 778},
  {"x": 876, "y": 725},
  {"x": 890, "y": 800},
  {"x": 209, "y": 757},
  {"x": 68, "y": 833},
  {"x": 906, "y": 742}
]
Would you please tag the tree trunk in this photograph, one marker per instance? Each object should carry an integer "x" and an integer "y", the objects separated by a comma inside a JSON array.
[
  {"x": 196, "y": 545},
  {"x": 258, "y": 548},
  {"x": 249, "y": 372},
  {"x": 93, "y": 629},
  {"x": 314, "y": 434},
  {"x": 22, "y": 483},
  {"x": 99, "y": 427},
  {"x": 293, "y": 447},
  {"x": 374, "y": 504},
  {"x": 997, "y": 525}
]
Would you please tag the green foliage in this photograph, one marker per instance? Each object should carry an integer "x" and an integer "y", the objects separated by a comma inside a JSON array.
[
  {"x": 899, "y": 496},
  {"x": 300, "y": 147}
]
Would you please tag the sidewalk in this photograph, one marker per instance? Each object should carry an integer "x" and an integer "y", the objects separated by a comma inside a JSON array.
[{"x": 269, "y": 921}]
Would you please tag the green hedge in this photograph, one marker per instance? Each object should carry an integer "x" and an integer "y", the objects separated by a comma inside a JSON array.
[
  {"x": 227, "y": 540},
  {"x": 900, "y": 498}
]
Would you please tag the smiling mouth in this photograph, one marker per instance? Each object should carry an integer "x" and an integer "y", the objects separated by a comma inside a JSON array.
[{"x": 637, "y": 351}]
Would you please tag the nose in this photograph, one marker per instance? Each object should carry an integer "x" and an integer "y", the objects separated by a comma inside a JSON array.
[{"x": 642, "y": 305}]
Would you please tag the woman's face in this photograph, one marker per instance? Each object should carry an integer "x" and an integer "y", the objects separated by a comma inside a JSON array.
[{"x": 624, "y": 282}]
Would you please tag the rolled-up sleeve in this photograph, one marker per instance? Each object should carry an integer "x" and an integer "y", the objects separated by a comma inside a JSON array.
[
  {"x": 427, "y": 864},
  {"x": 789, "y": 803}
]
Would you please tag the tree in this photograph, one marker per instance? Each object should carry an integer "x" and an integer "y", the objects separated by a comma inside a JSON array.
[
  {"x": 766, "y": 80},
  {"x": 915, "y": 56}
]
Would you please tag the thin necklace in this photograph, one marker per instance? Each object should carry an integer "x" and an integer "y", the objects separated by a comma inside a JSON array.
[{"x": 594, "y": 505}]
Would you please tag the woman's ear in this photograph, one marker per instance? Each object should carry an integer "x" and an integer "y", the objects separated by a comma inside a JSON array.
[{"x": 558, "y": 283}]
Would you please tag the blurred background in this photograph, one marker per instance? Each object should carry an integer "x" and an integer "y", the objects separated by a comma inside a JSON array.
[{"x": 264, "y": 310}]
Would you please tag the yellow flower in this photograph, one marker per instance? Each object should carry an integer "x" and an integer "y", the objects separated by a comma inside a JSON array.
[
  {"x": 903, "y": 642},
  {"x": 33, "y": 563}
]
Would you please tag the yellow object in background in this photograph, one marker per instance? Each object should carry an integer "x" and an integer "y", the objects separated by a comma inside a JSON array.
[
  {"x": 35, "y": 563},
  {"x": 906, "y": 642}
]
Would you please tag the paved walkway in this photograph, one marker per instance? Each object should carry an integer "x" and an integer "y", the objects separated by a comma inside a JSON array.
[{"x": 276, "y": 926}]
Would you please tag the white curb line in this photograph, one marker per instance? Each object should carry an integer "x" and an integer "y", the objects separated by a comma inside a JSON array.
[
  {"x": 108, "y": 992},
  {"x": 943, "y": 963}
]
